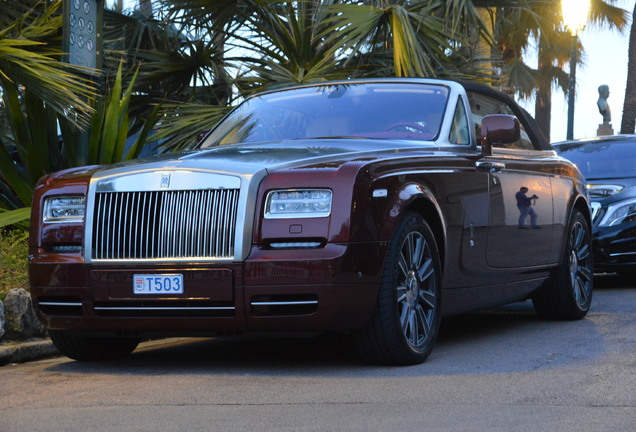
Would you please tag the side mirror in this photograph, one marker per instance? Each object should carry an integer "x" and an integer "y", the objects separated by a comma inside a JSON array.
[{"x": 498, "y": 129}]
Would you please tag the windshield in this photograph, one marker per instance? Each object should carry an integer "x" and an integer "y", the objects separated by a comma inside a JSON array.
[
  {"x": 602, "y": 159},
  {"x": 370, "y": 110}
]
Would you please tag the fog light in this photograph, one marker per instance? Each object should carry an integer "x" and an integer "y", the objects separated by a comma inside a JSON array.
[{"x": 294, "y": 245}]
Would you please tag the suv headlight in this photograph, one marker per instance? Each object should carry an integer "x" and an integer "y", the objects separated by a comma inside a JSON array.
[
  {"x": 620, "y": 212},
  {"x": 64, "y": 209},
  {"x": 298, "y": 203}
]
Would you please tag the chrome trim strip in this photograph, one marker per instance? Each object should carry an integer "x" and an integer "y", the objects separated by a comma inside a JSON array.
[
  {"x": 199, "y": 259},
  {"x": 297, "y": 215},
  {"x": 283, "y": 303},
  {"x": 181, "y": 179},
  {"x": 502, "y": 151},
  {"x": 421, "y": 171},
  {"x": 59, "y": 304},
  {"x": 63, "y": 220},
  {"x": 158, "y": 308},
  {"x": 622, "y": 254}
]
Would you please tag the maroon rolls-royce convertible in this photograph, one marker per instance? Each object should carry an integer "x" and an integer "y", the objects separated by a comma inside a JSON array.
[{"x": 371, "y": 207}]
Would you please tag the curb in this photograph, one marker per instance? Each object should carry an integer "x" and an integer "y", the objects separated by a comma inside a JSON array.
[{"x": 20, "y": 352}]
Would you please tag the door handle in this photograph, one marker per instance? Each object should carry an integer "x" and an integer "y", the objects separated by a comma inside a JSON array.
[{"x": 490, "y": 166}]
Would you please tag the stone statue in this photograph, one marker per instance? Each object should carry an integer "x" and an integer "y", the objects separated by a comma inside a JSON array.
[
  {"x": 604, "y": 128},
  {"x": 603, "y": 106}
]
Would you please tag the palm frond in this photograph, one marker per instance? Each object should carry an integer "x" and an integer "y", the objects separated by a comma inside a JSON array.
[
  {"x": 183, "y": 123},
  {"x": 604, "y": 14},
  {"x": 18, "y": 217},
  {"x": 28, "y": 62}
]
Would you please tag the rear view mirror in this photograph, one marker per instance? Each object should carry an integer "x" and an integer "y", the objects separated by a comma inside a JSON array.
[{"x": 498, "y": 129}]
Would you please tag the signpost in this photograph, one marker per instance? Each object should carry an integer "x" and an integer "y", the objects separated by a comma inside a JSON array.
[
  {"x": 83, "y": 32},
  {"x": 82, "y": 24}
]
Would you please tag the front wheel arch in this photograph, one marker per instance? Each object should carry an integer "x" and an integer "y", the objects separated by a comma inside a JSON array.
[
  {"x": 413, "y": 197},
  {"x": 432, "y": 215},
  {"x": 582, "y": 205}
]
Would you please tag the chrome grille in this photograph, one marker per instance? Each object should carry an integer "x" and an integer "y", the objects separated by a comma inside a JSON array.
[{"x": 164, "y": 224}]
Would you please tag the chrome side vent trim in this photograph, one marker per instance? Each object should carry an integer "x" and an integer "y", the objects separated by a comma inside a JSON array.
[
  {"x": 165, "y": 224},
  {"x": 165, "y": 309},
  {"x": 60, "y": 306},
  {"x": 284, "y": 305}
]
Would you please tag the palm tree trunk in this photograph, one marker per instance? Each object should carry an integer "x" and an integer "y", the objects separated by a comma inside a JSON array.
[
  {"x": 628, "y": 121},
  {"x": 222, "y": 89},
  {"x": 543, "y": 102}
]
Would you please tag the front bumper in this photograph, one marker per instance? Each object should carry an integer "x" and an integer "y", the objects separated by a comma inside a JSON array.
[
  {"x": 615, "y": 248},
  {"x": 331, "y": 288}
]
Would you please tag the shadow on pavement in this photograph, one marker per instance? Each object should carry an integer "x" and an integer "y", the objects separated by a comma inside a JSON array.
[
  {"x": 511, "y": 339},
  {"x": 613, "y": 281}
]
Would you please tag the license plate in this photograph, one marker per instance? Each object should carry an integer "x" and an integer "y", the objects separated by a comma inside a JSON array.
[{"x": 158, "y": 284}]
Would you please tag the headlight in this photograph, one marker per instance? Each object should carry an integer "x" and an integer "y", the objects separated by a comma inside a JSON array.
[
  {"x": 64, "y": 209},
  {"x": 298, "y": 203},
  {"x": 617, "y": 213}
]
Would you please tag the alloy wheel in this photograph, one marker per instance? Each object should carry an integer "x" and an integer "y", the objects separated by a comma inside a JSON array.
[
  {"x": 416, "y": 289},
  {"x": 580, "y": 264}
]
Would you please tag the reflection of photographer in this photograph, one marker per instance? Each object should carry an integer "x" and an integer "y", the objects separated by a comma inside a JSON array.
[{"x": 524, "y": 203}]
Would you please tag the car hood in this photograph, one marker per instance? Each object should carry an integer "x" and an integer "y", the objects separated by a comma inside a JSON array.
[{"x": 298, "y": 153}]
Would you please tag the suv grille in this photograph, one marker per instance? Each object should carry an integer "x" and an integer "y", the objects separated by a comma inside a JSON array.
[{"x": 165, "y": 224}]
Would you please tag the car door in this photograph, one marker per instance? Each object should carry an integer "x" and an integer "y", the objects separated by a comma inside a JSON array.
[
  {"x": 520, "y": 195},
  {"x": 467, "y": 190}
]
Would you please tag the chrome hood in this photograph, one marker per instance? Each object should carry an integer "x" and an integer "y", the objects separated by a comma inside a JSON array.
[{"x": 294, "y": 153}]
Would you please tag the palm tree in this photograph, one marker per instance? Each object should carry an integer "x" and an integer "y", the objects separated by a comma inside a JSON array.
[
  {"x": 46, "y": 103},
  {"x": 628, "y": 121},
  {"x": 30, "y": 57},
  {"x": 542, "y": 22},
  {"x": 271, "y": 44},
  {"x": 34, "y": 84}
]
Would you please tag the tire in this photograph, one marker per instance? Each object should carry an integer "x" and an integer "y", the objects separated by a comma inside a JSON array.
[
  {"x": 85, "y": 348},
  {"x": 407, "y": 316},
  {"x": 569, "y": 295}
]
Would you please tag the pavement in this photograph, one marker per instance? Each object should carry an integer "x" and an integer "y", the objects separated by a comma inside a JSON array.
[
  {"x": 26, "y": 350},
  {"x": 15, "y": 352}
]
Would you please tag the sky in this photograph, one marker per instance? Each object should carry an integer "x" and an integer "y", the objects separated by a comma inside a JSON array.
[{"x": 605, "y": 61}]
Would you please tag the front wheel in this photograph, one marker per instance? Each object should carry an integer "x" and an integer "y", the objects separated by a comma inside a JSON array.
[
  {"x": 92, "y": 348},
  {"x": 406, "y": 320},
  {"x": 569, "y": 295}
]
